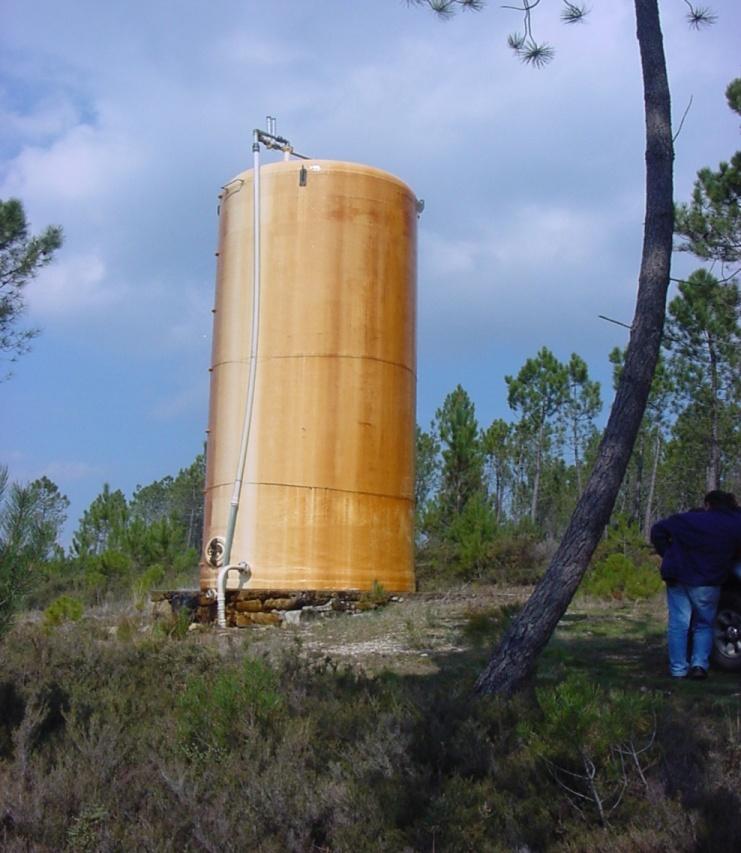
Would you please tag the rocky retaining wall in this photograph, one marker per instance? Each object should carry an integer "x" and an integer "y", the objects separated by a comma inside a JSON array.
[{"x": 247, "y": 607}]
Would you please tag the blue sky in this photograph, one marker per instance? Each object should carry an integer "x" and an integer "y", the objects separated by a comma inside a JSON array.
[{"x": 121, "y": 121}]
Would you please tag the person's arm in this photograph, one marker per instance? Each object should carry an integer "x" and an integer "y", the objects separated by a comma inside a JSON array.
[{"x": 660, "y": 537}]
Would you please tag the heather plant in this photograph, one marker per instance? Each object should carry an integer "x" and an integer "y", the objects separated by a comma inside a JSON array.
[
  {"x": 83, "y": 834},
  {"x": 515, "y": 556},
  {"x": 478, "y": 551},
  {"x": 148, "y": 744}
]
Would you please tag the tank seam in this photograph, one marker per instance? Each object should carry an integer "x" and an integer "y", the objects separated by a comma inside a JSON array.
[
  {"x": 319, "y": 355},
  {"x": 318, "y": 488}
]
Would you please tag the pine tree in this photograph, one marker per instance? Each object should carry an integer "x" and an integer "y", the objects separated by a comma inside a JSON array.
[
  {"x": 21, "y": 258},
  {"x": 30, "y": 520},
  {"x": 703, "y": 339},
  {"x": 539, "y": 392},
  {"x": 496, "y": 442},
  {"x": 711, "y": 223},
  {"x": 582, "y": 405},
  {"x": 462, "y": 474}
]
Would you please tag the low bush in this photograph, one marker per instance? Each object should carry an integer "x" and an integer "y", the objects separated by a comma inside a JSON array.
[
  {"x": 497, "y": 556},
  {"x": 147, "y": 581},
  {"x": 215, "y": 711},
  {"x": 152, "y": 744},
  {"x": 618, "y": 577},
  {"x": 624, "y": 565},
  {"x": 485, "y": 627},
  {"x": 175, "y": 626},
  {"x": 595, "y": 744},
  {"x": 376, "y": 596},
  {"x": 63, "y": 609}
]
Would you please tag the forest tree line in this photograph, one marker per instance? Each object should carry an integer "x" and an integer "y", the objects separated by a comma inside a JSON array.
[{"x": 516, "y": 482}]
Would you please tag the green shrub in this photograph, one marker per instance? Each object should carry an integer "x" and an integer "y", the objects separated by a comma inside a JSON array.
[
  {"x": 176, "y": 626},
  {"x": 213, "y": 711},
  {"x": 595, "y": 744},
  {"x": 513, "y": 558},
  {"x": 64, "y": 609},
  {"x": 94, "y": 582},
  {"x": 147, "y": 580},
  {"x": 617, "y": 577},
  {"x": 473, "y": 548},
  {"x": 625, "y": 537},
  {"x": 485, "y": 627},
  {"x": 376, "y": 596},
  {"x": 470, "y": 535}
]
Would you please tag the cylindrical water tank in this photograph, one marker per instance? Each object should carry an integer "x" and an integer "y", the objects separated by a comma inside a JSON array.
[{"x": 327, "y": 499}]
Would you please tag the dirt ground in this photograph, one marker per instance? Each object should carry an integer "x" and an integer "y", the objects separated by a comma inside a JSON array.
[{"x": 618, "y": 643}]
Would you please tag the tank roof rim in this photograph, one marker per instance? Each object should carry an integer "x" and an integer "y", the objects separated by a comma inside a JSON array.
[{"x": 330, "y": 165}]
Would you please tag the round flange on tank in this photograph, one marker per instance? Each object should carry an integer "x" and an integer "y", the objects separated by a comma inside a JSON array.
[{"x": 328, "y": 488}]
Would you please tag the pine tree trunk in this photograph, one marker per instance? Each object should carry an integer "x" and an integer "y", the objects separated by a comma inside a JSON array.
[
  {"x": 648, "y": 514},
  {"x": 536, "y": 478},
  {"x": 713, "y": 479},
  {"x": 514, "y": 660},
  {"x": 639, "y": 456}
]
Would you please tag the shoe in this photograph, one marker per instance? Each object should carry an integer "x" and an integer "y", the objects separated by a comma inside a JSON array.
[{"x": 697, "y": 673}]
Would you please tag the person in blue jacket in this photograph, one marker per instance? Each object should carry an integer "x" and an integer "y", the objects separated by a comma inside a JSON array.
[{"x": 698, "y": 550}]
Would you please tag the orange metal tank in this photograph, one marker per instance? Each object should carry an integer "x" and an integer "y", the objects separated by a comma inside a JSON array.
[{"x": 327, "y": 499}]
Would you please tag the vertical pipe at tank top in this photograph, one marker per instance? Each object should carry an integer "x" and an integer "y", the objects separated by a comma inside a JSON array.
[{"x": 249, "y": 405}]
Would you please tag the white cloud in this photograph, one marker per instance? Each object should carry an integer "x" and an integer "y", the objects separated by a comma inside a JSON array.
[
  {"x": 530, "y": 240},
  {"x": 23, "y": 469},
  {"x": 48, "y": 119},
  {"x": 73, "y": 288},
  {"x": 84, "y": 164},
  {"x": 538, "y": 236}
]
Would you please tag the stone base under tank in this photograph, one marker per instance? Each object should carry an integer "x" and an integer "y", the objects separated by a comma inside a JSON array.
[{"x": 248, "y": 607}]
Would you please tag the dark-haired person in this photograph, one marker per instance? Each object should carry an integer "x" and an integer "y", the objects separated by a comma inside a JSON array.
[{"x": 697, "y": 550}]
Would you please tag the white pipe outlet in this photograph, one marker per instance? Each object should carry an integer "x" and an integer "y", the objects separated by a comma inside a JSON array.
[{"x": 244, "y": 569}]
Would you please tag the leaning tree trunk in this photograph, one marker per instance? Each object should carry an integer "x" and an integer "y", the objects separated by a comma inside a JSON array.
[{"x": 514, "y": 659}]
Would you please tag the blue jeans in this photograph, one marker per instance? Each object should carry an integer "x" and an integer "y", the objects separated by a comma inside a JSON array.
[{"x": 692, "y": 612}]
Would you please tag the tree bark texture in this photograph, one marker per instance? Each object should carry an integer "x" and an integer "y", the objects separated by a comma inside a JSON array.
[{"x": 513, "y": 661}]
